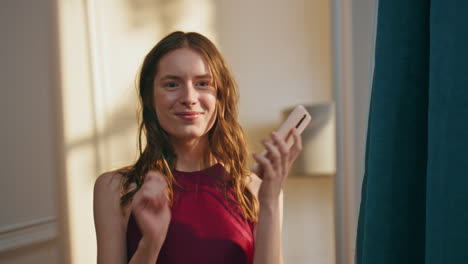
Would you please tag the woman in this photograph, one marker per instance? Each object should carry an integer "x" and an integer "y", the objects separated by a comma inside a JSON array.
[{"x": 186, "y": 199}]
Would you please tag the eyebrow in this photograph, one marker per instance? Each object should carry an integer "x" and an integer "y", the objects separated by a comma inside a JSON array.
[
  {"x": 203, "y": 76},
  {"x": 170, "y": 77},
  {"x": 175, "y": 77}
]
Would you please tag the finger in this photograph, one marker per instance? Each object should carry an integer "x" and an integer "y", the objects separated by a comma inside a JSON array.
[
  {"x": 153, "y": 175},
  {"x": 296, "y": 147},
  {"x": 274, "y": 154},
  {"x": 139, "y": 202},
  {"x": 265, "y": 165},
  {"x": 153, "y": 192},
  {"x": 283, "y": 149},
  {"x": 149, "y": 200},
  {"x": 157, "y": 178}
]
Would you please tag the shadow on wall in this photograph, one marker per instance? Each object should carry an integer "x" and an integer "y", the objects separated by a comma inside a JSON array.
[{"x": 166, "y": 13}]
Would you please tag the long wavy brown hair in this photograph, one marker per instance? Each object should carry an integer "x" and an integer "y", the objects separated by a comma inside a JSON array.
[{"x": 226, "y": 138}]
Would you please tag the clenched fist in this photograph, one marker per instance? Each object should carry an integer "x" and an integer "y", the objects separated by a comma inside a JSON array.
[{"x": 151, "y": 209}]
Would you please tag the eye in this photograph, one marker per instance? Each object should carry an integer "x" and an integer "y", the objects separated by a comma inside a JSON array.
[
  {"x": 204, "y": 84},
  {"x": 171, "y": 85}
]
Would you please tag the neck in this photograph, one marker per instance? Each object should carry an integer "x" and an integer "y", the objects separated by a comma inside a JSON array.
[{"x": 192, "y": 154}]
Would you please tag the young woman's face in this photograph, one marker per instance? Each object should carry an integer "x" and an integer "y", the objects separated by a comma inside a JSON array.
[{"x": 184, "y": 94}]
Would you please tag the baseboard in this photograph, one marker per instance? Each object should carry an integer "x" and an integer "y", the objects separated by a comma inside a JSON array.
[{"x": 27, "y": 233}]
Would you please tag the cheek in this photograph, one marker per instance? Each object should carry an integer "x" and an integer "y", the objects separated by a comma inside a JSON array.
[
  {"x": 208, "y": 101},
  {"x": 163, "y": 103},
  {"x": 210, "y": 105},
  {"x": 163, "y": 100}
]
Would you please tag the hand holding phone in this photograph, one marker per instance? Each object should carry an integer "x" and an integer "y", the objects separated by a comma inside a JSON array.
[{"x": 299, "y": 119}]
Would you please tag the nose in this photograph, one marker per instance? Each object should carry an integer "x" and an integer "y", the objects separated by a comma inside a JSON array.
[{"x": 189, "y": 95}]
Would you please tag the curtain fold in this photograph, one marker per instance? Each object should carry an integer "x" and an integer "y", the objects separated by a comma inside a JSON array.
[{"x": 414, "y": 206}]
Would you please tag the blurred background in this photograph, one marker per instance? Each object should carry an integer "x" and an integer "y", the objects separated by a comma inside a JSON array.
[{"x": 69, "y": 109}]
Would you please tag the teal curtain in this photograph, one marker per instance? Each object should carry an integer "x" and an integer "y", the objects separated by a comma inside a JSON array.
[{"x": 414, "y": 206}]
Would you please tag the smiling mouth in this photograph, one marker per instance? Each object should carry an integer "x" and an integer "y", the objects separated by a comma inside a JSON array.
[{"x": 189, "y": 116}]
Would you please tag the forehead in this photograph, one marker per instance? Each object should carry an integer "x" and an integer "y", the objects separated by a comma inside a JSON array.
[{"x": 183, "y": 62}]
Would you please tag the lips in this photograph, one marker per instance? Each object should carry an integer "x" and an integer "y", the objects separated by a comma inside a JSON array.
[{"x": 188, "y": 115}]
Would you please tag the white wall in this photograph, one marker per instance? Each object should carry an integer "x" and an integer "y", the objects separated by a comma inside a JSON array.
[{"x": 29, "y": 222}]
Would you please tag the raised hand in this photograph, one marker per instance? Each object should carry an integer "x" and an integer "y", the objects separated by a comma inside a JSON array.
[
  {"x": 275, "y": 166},
  {"x": 151, "y": 210}
]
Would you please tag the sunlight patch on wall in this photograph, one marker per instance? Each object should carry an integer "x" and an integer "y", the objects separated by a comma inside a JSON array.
[{"x": 79, "y": 130}]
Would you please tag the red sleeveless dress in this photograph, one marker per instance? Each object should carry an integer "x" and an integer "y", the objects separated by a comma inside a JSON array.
[{"x": 205, "y": 227}]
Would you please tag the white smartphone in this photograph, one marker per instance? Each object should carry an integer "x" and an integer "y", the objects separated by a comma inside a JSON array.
[{"x": 298, "y": 118}]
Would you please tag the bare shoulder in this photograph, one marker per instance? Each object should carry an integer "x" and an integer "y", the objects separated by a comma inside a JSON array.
[
  {"x": 109, "y": 218},
  {"x": 107, "y": 183},
  {"x": 107, "y": 193},
  {"x": 255, "y": 183}
]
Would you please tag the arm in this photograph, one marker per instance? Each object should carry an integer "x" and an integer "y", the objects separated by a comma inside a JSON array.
[
  {"x": 109, "y": 220},
  {"x": 274, "y": 169},
  {"x": 110, "y": 223},
  {"x": 269, "y": 226}
]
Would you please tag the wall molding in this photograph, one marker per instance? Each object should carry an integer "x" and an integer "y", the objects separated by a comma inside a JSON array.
[
  {"x": 345, "y": 195},
  {"x": 28, "y": 232},
  {"x": 349, "y": 175}
]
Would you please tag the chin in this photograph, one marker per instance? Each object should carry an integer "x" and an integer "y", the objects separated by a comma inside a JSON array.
[{"x": 188, "y": 135}]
